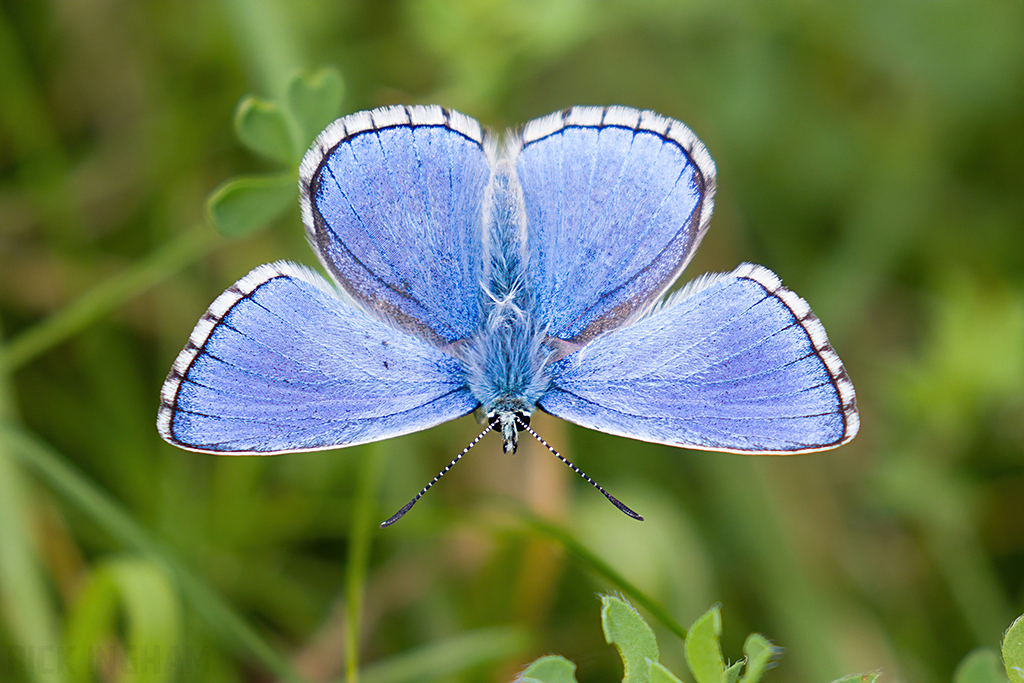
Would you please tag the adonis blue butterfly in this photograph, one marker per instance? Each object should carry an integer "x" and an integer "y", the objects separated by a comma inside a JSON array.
[{"x": 531, "y": 274}]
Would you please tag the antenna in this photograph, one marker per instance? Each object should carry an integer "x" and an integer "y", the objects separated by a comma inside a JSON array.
[
  {"x": 522, "y": 426},
  {"x": 408, "y": 506},
  {"x": 614, "y": 501}
]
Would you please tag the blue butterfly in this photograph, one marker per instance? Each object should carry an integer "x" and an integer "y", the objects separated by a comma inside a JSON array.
[{"x": 531, "y": 275}]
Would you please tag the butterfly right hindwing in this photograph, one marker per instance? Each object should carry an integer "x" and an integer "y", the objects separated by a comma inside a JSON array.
[{"x": 740, "y": 365}]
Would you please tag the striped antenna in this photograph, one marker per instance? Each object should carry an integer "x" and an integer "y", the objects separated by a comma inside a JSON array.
[
  {"x": 408, "y": 506},
  {"x": 614, "y": 501}
]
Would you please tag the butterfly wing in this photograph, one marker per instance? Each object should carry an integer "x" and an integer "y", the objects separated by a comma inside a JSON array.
[
  {"x": 616, "y": 201},
  {"x": 391, "y": 199},
  {"x": 732, "y": 363},
  {"x": 279, "y": 363}
]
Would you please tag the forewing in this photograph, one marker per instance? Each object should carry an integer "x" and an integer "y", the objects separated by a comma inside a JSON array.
[
  {"x": 735, "y": 363},
  {"x": 392, "y": 201},
  {"x": 278, "y": 363},
  {"x": 616, "y": 202}
]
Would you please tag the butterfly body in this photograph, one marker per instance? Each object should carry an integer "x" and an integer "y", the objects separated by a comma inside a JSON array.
[
  {"x": 515, "y": 279},
  {"x": 506, "y": 358}
]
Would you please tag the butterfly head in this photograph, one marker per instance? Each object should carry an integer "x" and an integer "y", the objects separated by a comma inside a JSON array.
[{"x": 509, "y": 423}]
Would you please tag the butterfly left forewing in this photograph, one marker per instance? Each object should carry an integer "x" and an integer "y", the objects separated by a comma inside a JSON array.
[{"x": 392, "y": 199}]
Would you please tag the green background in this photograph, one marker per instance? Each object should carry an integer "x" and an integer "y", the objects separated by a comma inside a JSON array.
[{"x": 872, "y": 154}]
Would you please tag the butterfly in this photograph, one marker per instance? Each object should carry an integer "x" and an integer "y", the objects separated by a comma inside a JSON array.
[{"x": 506, "y": 278}]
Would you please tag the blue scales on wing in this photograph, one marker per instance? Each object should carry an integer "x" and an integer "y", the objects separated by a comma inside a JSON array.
[
  {"x": 616, "y": 201},
  {"x": 391, "y": 199},
  {"x": 730, "y": 363},
  {"x": 280, "y": 363}
]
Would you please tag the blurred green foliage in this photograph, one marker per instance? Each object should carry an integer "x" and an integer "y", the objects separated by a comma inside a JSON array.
[
  {"x": 634, "y": 639},
  {"x": 870, "y": 153}
]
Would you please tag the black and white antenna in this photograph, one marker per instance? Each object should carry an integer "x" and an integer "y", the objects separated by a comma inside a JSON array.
[
  {"x": 612, "y": 499},
  {"x": 408, "y": 506},
  {"x": 523, "y": 426}
]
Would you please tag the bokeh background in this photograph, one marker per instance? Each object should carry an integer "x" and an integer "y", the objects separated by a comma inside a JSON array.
[{"x": 872, "y": 154}]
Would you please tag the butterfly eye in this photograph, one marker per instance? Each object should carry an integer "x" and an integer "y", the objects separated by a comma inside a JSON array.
[{"x": 522, "y": 421}]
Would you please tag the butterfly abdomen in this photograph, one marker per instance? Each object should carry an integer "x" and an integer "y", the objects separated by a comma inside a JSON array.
[{"x": 505, "y": 359}]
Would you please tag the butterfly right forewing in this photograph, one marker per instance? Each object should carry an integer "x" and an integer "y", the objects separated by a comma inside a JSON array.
[{"x": 616, "y": 202}]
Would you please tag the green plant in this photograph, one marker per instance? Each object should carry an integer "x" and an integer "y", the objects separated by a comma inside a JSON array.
[
  {"x": 634, "y": 639},
  {"x": 281, "y": 132}
]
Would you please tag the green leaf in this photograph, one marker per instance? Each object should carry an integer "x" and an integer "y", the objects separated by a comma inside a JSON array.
[
  {"x": 759, "y": 653},
  {"x": 1013, "y": 651},
  {"x": 152, "y": 614},
  {"x": 979, "y": 666},
  {"x": 243, "y": 205},
  {"x": 315, "y": 101},
  {"x": 549, "y": 669},
  {"x": 629, "y": 633},
  {"x": 703, "y": 652},
  {"x": 858, "y": 678},
  {"x": 262, "y": 127},
  {"x": 659, "y": 674},
  {"x": 732, "y": 674}
]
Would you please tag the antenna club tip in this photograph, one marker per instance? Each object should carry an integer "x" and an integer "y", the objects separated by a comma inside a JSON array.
[{"x": 398, "y": 515}]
